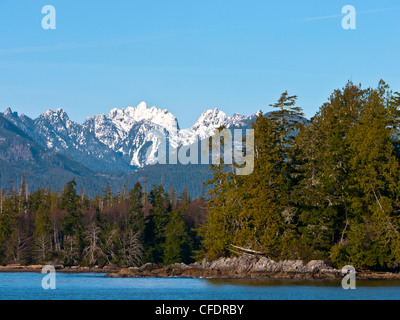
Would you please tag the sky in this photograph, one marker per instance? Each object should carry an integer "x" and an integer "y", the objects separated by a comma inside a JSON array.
[{"x": 189, "y": 56}]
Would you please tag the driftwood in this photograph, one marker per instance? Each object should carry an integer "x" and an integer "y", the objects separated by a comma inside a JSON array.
[{"x": 249, "y": 250}]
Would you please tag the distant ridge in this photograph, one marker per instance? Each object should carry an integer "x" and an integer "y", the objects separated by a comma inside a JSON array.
[{"x": 106, "y": 149}]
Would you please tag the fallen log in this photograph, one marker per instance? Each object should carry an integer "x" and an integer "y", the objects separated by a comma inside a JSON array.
[{"x": 249, "y": 250}]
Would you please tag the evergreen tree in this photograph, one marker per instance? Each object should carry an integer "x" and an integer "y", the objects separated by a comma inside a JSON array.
[
  {"x": 177, "y": 246},
  {"x": 42, "y": 236},
  {"x": 322, "y": 168},
  {"x": 7, "y": 224},
  {"x": 136, "y": 221},
  {"x": 72, "y": 224},
  {"x": 222, "y": 211},
  {"x": 373, "y": 238},
  {"x": 108, "y": 196},
  {"x": 249, "y": 211},
  {"x": 71, "y": 204},
  {"x": 260, "y": 219},
  {"x": 156, "y": 223},
  {"x": 287, "y": 120}
]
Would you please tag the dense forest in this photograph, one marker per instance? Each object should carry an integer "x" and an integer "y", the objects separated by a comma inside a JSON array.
[
  {"x": 330, "y": 192},
  {"x": 326, "y": 189},
  {"x": 124, "y": 229}
]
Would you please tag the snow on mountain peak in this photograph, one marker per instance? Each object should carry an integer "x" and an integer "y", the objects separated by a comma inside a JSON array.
[
  {"x": 142, "y": 105},
  {"x": 8, "y": 111},
  {"x": 123, "y": 137},
  {"x": 124, "y": 119},
  {"x": 209, "y": 121},
  {"x": 55, "y": 116}
]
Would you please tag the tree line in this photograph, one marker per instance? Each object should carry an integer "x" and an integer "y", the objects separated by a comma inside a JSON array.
[
  {"x": 327, "y": 189},
  {"x": 125, "y": 229}
]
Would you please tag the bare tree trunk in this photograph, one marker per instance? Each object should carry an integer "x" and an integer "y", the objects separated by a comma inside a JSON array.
[{"x": 93, "y": 251}]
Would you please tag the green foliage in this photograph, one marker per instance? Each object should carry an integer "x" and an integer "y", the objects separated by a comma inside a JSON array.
[
  {"x": 7, "y": 219},
  {"x": 249, "y": 211},
  {"x": 110, "y": 228},
  {"x": 136, "y": 221},
  {"x": 331, "y": 192},
  {"x": 70, "y": 202},
  {"x": 177, "y": 246},
  {"x": 222, "y": 210}
]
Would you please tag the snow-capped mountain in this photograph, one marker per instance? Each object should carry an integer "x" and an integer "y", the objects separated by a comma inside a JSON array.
[
  {"x": 122, "y": 140},
  {"x": 55, "y": 131},
  {"x": 132, "y": 131},
  {"x": 211, "y": 120}
]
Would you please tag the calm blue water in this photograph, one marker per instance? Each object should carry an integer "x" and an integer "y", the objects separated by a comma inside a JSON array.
[{"x": 21, "y": 286}]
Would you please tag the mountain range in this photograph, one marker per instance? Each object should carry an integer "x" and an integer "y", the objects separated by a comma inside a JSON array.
[
  {"x": 120, "y": 140},
  {"x": 115, "y": 148}
]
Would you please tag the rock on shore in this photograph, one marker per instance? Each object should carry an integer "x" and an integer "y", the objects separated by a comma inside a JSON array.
[
  {"x": 244, "y": 266},
  {"x": 247, "y": 267}
]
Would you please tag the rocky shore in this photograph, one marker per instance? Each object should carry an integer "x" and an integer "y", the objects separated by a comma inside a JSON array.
[
  {"x": 248, "y": 267},
  {"x": 242, "y": 267}
]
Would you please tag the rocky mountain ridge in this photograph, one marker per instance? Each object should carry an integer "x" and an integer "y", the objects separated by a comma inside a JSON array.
[{"x": 123, "y": 140}]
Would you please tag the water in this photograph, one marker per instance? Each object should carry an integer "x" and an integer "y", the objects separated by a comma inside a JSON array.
[{"x": 86, "y": 286}]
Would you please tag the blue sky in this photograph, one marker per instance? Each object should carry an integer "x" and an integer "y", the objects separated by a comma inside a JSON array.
[{"x": 188, "y": 56}]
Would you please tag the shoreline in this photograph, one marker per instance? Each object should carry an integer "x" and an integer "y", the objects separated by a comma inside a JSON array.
[
  {"x": 195, "y": 273},
  {"x": 249, "y": 267},
  {"x": 242, "y": 267},
  {"x": 58, "y": 268}
]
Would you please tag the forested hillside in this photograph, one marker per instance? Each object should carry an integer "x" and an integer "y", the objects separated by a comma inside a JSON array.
[{"x": 330, "y": 191}]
